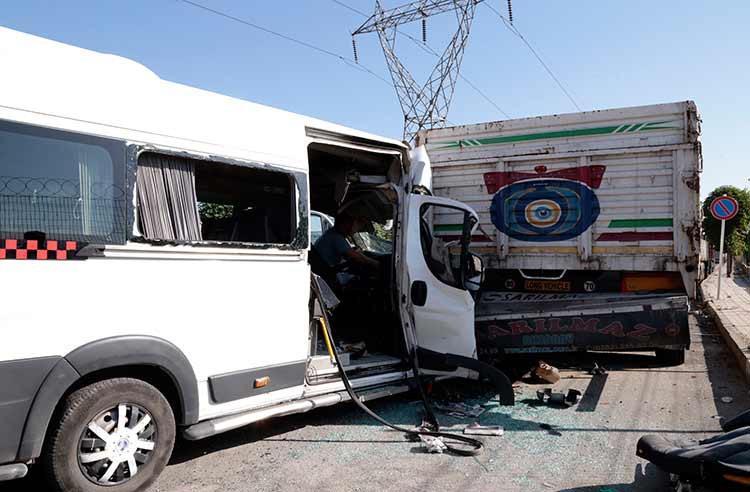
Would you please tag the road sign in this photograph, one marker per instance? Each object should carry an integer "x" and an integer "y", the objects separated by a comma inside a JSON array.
[{"x": 724, "y": 207}]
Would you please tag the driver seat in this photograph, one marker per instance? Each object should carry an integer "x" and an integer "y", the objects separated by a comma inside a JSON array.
[{"x": 320, "y": 267}]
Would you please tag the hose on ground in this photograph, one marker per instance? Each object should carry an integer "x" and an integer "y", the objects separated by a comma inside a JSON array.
[{"x": 475, "y": 446}]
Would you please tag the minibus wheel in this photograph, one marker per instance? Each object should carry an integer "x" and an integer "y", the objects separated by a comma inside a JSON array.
[{"x": 115, "y": 435}]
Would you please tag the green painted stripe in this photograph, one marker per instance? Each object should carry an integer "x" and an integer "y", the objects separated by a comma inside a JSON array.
[
  {"x": 617, "y": 223},
  {"x": 448, "y": 227},
  {"x": 603, "y": 130}
]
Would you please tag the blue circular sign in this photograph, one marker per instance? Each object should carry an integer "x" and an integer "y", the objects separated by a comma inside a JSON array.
[
  {"x": 544, "y": 210},
  {"x": 724, "y": 207}
]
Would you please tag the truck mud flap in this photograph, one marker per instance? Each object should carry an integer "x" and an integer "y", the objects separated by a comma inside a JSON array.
[{"x": 436, "y": 361}]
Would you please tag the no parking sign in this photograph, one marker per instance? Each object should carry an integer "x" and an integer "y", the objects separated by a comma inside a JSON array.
[{"x": 723, "y": 208}]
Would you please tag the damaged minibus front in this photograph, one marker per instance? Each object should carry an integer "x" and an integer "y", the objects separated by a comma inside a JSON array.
[
  {"x": 119, "y": 199},
  {"x": 426, "y": 276}
]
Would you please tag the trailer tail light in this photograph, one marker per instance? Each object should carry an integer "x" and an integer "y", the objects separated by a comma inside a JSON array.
[
  {"x": 737, "y": 479},
  {"x": 652, "y": 282}
]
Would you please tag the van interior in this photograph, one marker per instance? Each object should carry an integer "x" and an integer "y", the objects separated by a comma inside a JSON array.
[
  {"x": 366, "y": 325},
  {"x": 181, "y": 199}
]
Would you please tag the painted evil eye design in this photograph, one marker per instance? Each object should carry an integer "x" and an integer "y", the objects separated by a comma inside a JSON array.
[{"x": 544, "y": 210}]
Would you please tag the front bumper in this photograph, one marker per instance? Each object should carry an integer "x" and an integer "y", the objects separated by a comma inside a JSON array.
[{"x": 20, "y": 381}]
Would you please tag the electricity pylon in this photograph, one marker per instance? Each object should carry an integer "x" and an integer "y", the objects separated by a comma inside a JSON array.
[{"x": 423, "y": 106}]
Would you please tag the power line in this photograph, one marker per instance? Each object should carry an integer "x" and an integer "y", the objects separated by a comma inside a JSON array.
[
  {"x": 347, "y": 61},
  {"x": 428, "y": 49},
  {"x": 515, "y": 31}
]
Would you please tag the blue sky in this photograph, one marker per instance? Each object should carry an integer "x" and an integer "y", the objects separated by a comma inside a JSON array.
[{"x": 608, "y": 54}]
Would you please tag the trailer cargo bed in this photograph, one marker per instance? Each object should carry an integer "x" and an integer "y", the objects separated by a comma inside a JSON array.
[
  {"x": 579, "y": 212},
  {"x": 612, "y": 190}
]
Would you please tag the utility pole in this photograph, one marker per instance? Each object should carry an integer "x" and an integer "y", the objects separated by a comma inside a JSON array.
[{"x": 424, "y": 106}]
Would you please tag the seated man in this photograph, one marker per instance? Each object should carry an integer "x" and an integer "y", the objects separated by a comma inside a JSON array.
[{"x": 333, "y": 247}]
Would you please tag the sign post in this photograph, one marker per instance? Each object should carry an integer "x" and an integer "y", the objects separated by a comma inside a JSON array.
[
  {"x": 723, "y": 208},
  {"x": 721, "y": 260}
]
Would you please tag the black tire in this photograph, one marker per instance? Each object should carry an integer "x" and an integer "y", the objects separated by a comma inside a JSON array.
[
  {"x": 669, "y": 357},
  {"x": 60, "y": 458}
]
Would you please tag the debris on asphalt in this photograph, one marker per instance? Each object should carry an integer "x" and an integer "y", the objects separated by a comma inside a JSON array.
[
  {"x": 549, "y": 397},
  {"x": 547, "y": 372},
  {"x": 459, "y": 410},
  {"x": 550, "y": 429},
  {"x": 483, "y": 430},
  {"x": 727, "y": 399},
  {"x": 433, "y": 444},
  {"x": 597, "y": 370}
]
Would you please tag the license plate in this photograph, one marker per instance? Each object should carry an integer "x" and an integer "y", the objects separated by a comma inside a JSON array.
[{"x": 547, "y": 285}]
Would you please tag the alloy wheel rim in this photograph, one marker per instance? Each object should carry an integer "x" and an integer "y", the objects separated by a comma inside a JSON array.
[{"x": 116, "y": 444}]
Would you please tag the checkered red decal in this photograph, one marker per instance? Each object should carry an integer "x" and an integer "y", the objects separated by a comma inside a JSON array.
[{"x": 31, "y": 249}]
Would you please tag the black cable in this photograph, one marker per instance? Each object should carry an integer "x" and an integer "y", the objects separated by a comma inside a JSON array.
[
  {"x": 429, "y": 50},
  {"x": 476, "y": 445},
  {"x": 349, "y": 62},
  {"x": 513, "y": 29}
]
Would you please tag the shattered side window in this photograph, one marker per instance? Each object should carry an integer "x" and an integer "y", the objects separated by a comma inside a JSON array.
[
  {"x": 189, "y": 200},
  {"x": 440, "y": 233}
]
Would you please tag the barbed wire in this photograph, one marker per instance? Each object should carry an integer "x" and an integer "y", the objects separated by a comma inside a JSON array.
[{"x": 58, "y": 187}]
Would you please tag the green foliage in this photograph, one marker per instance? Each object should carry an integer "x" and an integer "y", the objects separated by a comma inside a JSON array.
[
  {"x": 736, "y": 229},
  {"x": 382, "y": 232},
  {"x": 215, "y": 210}
]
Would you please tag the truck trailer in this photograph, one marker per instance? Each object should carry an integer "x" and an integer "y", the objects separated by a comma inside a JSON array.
[{"x": 591, "y": 226}]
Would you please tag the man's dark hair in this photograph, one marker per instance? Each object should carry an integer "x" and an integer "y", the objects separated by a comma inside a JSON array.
[{"x": 344, "y": 221}]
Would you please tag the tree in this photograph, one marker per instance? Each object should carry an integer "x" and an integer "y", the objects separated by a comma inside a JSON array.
[
  {"x": 736, "y": 229},
  {"x": 215, "y": 210}
]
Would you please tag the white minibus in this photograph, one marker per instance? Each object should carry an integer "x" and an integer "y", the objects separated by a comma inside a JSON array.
[{"x": 155, "y": 258}]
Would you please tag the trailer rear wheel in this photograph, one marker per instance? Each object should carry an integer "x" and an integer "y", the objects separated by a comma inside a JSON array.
[{"x": 670, "y": 357}]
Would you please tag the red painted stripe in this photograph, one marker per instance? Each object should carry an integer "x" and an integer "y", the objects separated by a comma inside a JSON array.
[{"x": 635, "y": 236}]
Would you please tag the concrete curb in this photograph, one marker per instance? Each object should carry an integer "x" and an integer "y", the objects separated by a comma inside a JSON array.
[{"x": 736, "y": 342}]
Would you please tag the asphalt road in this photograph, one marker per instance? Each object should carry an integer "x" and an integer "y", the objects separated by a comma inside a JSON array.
[{"x": 589, "y": 447}]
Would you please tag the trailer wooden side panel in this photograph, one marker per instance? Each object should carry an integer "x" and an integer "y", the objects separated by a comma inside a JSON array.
[{"x": 611, "y": 190}]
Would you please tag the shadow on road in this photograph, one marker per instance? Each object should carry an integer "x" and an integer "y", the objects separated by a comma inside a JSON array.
[{"x": 646, "y": 478}]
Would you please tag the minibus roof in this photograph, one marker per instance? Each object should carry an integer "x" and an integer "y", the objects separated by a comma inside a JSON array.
[{"x": 52, "y": 84}]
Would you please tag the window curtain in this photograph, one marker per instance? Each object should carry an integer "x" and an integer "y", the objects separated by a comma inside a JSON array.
[
  {"x": 167, "y": 202},
  {"x": 96, "y": 198}
]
